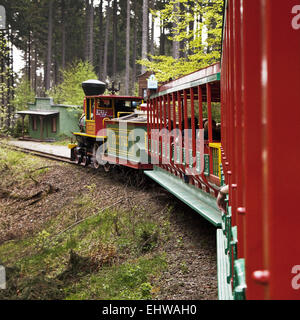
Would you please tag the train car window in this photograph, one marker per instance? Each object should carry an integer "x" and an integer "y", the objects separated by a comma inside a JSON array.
[
  {"x": 216, "y": 120},
  {"x": 104, "y": 103},
  {"x": 92, "y": 108},
  {"x": 128, "y": 104},
  {"x": 87, "y": 109},
  {"x": 124, "y": 105},
  {"x": 216, "y": 123}
]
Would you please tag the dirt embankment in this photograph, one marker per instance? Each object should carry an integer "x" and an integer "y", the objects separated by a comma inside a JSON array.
[{"x": 47, "y": 200}]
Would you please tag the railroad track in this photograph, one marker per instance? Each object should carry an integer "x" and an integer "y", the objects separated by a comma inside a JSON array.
[{"x": 37, "y": 153}]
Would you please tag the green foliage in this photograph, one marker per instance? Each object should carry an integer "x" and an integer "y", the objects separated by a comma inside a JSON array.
[
  {"x": 197, "y": 24},
  {"x": 43, "y": 241},
  {"x": 70, "y": 91},
  {"x": 6, "y": 86},
  {"x": 147, "y": 236},
  {"x": 23, "y": 95}
]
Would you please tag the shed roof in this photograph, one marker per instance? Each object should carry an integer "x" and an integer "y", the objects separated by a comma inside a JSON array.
[{"x": 38, "y": 112}]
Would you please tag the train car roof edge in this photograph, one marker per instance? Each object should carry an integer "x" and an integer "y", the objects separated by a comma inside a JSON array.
[{"x": 200, "y": 77}]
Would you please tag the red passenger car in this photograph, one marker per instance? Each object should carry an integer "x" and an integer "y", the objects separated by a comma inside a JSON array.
[
  {"x": 258, "y": 245},
  {"x": 260, "y": 153}
]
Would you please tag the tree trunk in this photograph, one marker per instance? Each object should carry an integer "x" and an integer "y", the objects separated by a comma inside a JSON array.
[
  {"x": 34, "y": 70},
  {"x": 106, "y": 41},
  {"x": 87, "y": 30},
  {"x": 49, "y": 50},
  {"x": 100, "y": 40},
  {"x": 175, "y": 44},
  {"x": 115, "y": 35},
  {"x": 29, "y": 57},
  {"x": 63, "y": 35},
  {"x": 91, "y": 33},
  {"x": 127, "y": 72},
  {"x": 191, "y": 24},
  {"x": 134, "y": 46},
  {"x": 182, "y": 43},
  {"x": 145, "y": 33},
  {"x": 152, "y": 36},
  {"x": 162, "y": 35}
]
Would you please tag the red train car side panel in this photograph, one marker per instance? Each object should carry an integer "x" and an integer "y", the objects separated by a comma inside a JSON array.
[
  {"x": 281, "y": 129},
  {"x": 261, "y": 125}
]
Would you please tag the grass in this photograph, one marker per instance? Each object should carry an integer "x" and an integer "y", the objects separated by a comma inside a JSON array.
[
  {"x": 130, "y": 280},
  {"x": 17, "y": 165},
  {"x": 110, "y": 255}
]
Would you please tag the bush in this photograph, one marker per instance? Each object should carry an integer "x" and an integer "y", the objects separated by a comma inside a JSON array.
[{"x": 70, "y": 92}]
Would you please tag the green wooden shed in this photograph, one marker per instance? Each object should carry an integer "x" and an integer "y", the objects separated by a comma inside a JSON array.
[{"x": 49, "y": 121}]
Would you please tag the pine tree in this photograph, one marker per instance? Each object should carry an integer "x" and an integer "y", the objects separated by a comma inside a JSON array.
[
  {"x": 127, "y": 71},
  {"x": 145, "y": 32},
  {"x": 107, "y": 28},
  {"x": 49, "y": 46}
]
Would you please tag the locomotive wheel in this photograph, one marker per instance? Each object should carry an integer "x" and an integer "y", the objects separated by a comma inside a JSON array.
[
  {"x": 107, "y": 167},
  {"x": 78, "y": 159},
  {"x": 96, "y": 164},
  {"x": 85, "y": 161}
]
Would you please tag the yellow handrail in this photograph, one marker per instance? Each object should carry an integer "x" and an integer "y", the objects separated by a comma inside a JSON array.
[{"x": 123, "y": 112}]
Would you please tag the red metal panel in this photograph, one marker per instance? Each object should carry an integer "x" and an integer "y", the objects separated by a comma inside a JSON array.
[
  {"x": 130, "y": 164},
  {"x": 252, "y": 97},
  {"x": 152, "y": 127},
  {"x": 169, "y": 112},
  {"x": 148, "y": 116},
  {"x": 165, "y": 136},
  {"x": 160, "y": 128},
  {"x": 239, "y": 155},
  {"x": 208, "y": 93},
  {"x": 200, "y": 104},
  {"x": 154, "y": 134},
  {"x": 186, "y": 139},
  {"x": 209, "y": 116},
  {"x": 229, "y": 166},
  {"x": 233, "y": 112},
  {"x": 193, "y": 125},
  {"x": 157, "y": 129},
  {"x": 281, "y": 95},
  {"x": 174, "y": 113},
  {"x": 179, "y": 136},
  {"x": 170, "y": 129}
]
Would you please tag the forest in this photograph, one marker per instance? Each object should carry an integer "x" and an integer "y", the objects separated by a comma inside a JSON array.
[
  {"x": 64, "y": 42},
  {"x": 71, "y": 232}
]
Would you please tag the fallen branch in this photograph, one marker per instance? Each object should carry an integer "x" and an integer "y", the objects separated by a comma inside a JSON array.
[
  {"x": 77, "y": 222},
  {"x": 41, "y": 168},
  {"x": 35, "y": 181},
  {"x": 44, "y": 193}
]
